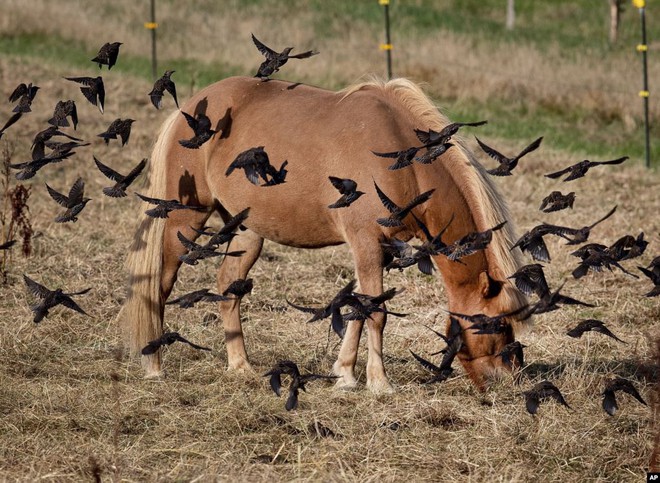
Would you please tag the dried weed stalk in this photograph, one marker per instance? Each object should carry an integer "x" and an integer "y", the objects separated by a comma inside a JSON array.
[{"x": 15, "y": 212}]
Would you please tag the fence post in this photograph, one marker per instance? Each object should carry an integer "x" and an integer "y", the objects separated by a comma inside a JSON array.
[
  {"x": 152, "y": 25},
  {"x": 387, "y": 46},
  {"x": 644, "y": 93}
]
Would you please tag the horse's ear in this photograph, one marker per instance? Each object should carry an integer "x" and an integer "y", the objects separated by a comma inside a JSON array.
[{"x": 489, "y": 286}]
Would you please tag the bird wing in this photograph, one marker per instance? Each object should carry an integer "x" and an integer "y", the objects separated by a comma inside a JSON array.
[
  {"x": 610, "y": 213},
  {"x": 558, "y": 174},
  {"x": 188, "y": 244},
  {"x": 192, "y": 122},
  {"x": 57, "y": 196},
  {"x": 426, "y": 364},
  {"x": 496, "y": 155},
  {"x": 20, "y": 91},
  {"x": 135, "y": 172},
  {"x": 393, "y": 154},
  {"x": 532, "y": 147},
  {"x": 36, "y": 288},
  {"x": 304, "y": 55},
  {"x": 171, "y": 88},
  {"x": 76, "y": 192},
  {"x": 12, "y": 120},
  {"x": 577, "y": 331},
  {"x": 191, "y": 344},
  {"x": 614, "y": 161},
  {"x": 388, "y": 203},
  {"x": 265, "y": 51}
]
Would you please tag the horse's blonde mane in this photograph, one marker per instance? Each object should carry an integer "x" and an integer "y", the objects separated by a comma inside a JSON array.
[{"x": 486, "y": 204}]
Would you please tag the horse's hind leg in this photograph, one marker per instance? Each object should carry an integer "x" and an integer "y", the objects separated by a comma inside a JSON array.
[
  {"x": 233, "y": 268},
  {"x": 183, "y": 221}
]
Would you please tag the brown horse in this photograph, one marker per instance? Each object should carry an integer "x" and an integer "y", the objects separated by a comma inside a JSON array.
[{"x": 321, "y": 134}]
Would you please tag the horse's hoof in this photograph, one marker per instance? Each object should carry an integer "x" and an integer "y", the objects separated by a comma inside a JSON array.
[
  {"x": 380, "y": 387},
  {"x": 154, "y": 375},
  {"x": 346, "y": 384},
  {"x": 243, "y": 367}
]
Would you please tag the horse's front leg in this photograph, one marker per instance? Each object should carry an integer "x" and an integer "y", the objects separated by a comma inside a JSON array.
[
  {"x": 344, "y": 367},
  {"x": 233, "y": 268},
  {"x": 369, "y": 271}
]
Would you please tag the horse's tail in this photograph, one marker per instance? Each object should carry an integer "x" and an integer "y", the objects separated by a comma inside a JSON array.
[{"x": 141, "y": 317}]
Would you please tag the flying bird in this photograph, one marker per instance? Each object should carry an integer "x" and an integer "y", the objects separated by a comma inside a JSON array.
[
  {"x": 403, "y": 158},
  {"x": 348, "y": 190},
  {"x": 628, "y": 247},
  {"x": 530, "y": 279},
  {"x": 190, "y": 299},
  {"x": 107, "y": 54},
  {"x": 168, "y": 338},
  {"x": 432, "y": 153},
  {"x": 512, "y": 354},
  {"x": 592, "y": 325},
  {"x": 24, "y": 94},
  {"x": 74, "y": 203},
  {"x": 51, "y": 298},
  {"x": 63, "y": 110},
  {"x": 297, "y": 383},
  {"x": 653, "y": 273},
  {"x": 399, "y": 213},
  {"x": 164, "y": 207},
  {"x": 42, "y": 137},
  {"x": 162, "y": 85},
  {"x": 506, "y": 164},
  {"x": 118, "y": 127},
  {"x": 487, "y": 324},
  {"x": 118, "y": 190},
  {"x": 275, "y": 60},
  {"x": 29, "y": 169},
  {"x": 581, "y": 235},
  {"x": 556, "y": 201},
  {"x": 227, "y": 232},
  {"x": 578, "y": 170},
  {"x": 541, "y": 391},
  {"x": 434, "y": 138},
  {"x": 596, "y": 257},
  {"x": 454, "y": 341},
  {"x": 532, "y": 241},
  {"x": 198, "y": 252},
  {"x": 471, "y": 243},
  {"x": 256, "y": 164},
  {"x": 92, "y": 88},
  {"x": 551, "y": 301},
  {"x": 12, "y": 120},
  {"x": 612, "y": 387},
  {"x": 7, "y": 245},
  {"x": 239, "y": 287},
  {"x": 201, "y": 126}
]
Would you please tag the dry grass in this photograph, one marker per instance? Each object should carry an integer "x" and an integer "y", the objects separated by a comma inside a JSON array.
[{"x": 72, "y": 407}]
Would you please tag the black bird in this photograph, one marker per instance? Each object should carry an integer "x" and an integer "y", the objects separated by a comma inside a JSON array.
[
  {"x": 63, "y": 110},
  {"x": 92, "y": 88},
  {"x": 506, "y": 164},
  {"x": 7, "y": 245},
  {"x": 30, "y": 168},
  {"x": 107, "y": 55},
  {"x": 434, "y": 138},
  {"x": 432, "y": 153},
  {"x": 160, "y": 86},
  {"x": 471, "y": 243},
  {"x": 556, "y": 201},
  {"x": 74, "y": 203},
  {"x": 163, "y": 207},
  {"x": 298, "y": 381},
  {"x": 12, "y": 120},
  {"x": 403, "y": 158},
  {"x": 581, "y": 235},
  {"x": 530, "y": 279},
  {"x": 653, "y": 273},
  {"x": 228, "y": 231},
  {"x": 399, "y": 213},
  {"x": 348, "y": 190},
  {"x": 239, "y": 287},
  {"x": 541, "y": 391},
  {"x": 333, "y": 309},
  {"x": 487, "y": 324},
  {"x": 365, "y": 305},
  {"x": 198, "y": 252},
  {"x": 513, "y": 352},
  {"x": 201, "y": 126},
  {"x": 42, "y": 137},
  {"x": 50, "y": 299},
  {"x": 118, "y": 127},
  {"x": 168, "y": 338},
  {"x": 454, "y": 341},
  {"x": 628, "y": 247},
  {"x": 532, "y": 241},
  {"x": 121, "y": 182},
  {"x": 596, "y": 259},
  {"x": 256, "y": 164},
  {"x": 550, "y": 302},
  {"x": 24, "y": 94},
  {"x": 275, "y": 60},
  {"x": 190, "y": 299},
  {"x": 401, "y": 255},
  {"x": 580, "y": 169},
  {"x": 592, "y": 325},
  {"x": 609, "y": 394}
]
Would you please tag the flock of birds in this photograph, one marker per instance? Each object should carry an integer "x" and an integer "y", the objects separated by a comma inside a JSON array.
[{"x": 258, "y": 170}]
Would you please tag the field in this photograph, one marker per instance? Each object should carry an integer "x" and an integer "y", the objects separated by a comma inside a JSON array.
[{"x": 74, "y": 407}]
